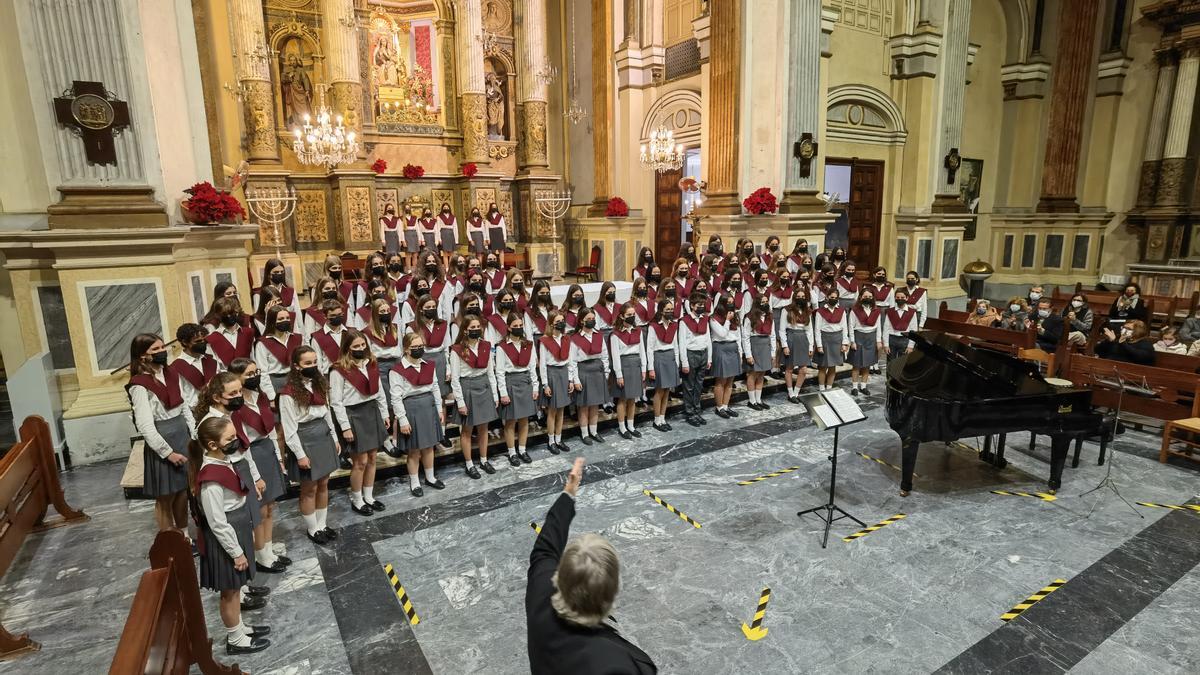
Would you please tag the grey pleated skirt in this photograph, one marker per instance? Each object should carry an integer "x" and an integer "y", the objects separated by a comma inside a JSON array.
[
  {"x": 391, "y": 241},
  {"x": 897, "y": 344},
  {"x": 318, "y": 446},
  {"x": 448, "y": 240},
  {"x": 725, "y": 360},
  {"x": 367, "y": 425},
  {"x": 159, "y": 476},
  {"x": 267, "y": 460},
  {"x": 438, "y": 359},
  {"x": 760, "y": 350},
  {"x": 595, "y": 383},
  {"x": 242, "y": 467},
  {"x": 666, "y": 370},
  {"x": 481, "y": 407},
  {"x": 560, "y": 385},
  {"x": 477, "y": 245},
  {"x": 411, "y": 240},
  {"x": 631, "y": 372},
  {"x": 425, "y": 427},
  {"x": 798, "y": 345},
  {"x": 385, "y": 380},
  {"x": 831, "y": 345},
  {"x": 845, "y": 302},
  {"x": 216, "y": 567},
  {"x": 520, "y": 395},
  {"x": 278, "y": 381},
  {"x": 864, "y": 353},
  {"x": 429, "y": 240},
  {"x": 496, "y": 236}
]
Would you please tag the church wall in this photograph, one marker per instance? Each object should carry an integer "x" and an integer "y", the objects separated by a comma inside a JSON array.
[
  {"x": 764, "y": 90},
  {"x": 23, "y": 185},
  {"x": 983, "y": 114},
  {"x": 579, "y": 136}
]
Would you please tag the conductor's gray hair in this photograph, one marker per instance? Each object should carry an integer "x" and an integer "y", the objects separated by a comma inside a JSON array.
[{"x": 587, "y": 581}]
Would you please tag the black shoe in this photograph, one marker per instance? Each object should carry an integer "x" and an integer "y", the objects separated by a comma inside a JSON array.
[
  {"x": 363, "y": 510},
  {"x": 283, "y": 560},
  {"x": 763, "y": 406},
  {"x": 253, "y": 602},
  {"x": 345, "y": 463},
  {"x": 473, "y": 472},
  {"x": 865, "y": 391},
  {"x": 319, "y": 538},
  {"x": 258, "y": 631},
  {"x": 854, "y": 391},
  {"x": 274, "y": 568},
  {"x": 330, "y": 534},
  {"x": 255, "y": 646},
  {"x": 257, "y": 590},
  {"x": 514, "y": 460},
  {"x": 417, "y": 491},
  {"x": 563, "y": 447},
  {"x": 597, "y": 437},
  {"x": 376, "y": 505},
  {"x": 587, "y": 440},
  {"x": 694, "y": 422},
  {"x": 635, "y": 432},
  {"x": 608, "y": 409},
  {"x": 553, "y": 448},
  {"x": 701, "y": 420},
  {"x": 524, "y": 455},
  {"x": 731, "y": 412},
  {"x": 722, "y": 413},
  {"x": 437, "y": 483},
  {"x": 662, "y": 427},
  {"x": 625, "y": 434},
  {"x": 487, "y": 466}
]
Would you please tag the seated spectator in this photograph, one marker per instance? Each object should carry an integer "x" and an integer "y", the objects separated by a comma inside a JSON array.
[
  {"x": 1078, "y": 315},
  {"x": 1128, "y": 306},
  {"x": 1190, "y": 331},
  {"x": 1049, "y": 326},
  {"x": 1170, "y": 342},
  {"x": 1016, "y": 317},
  {"x": 984, "y": 314},
  {"x": 1194, "y": 350},
  {"x": 1035, "y": 293},
  {"x": 1133, "y": 345}
]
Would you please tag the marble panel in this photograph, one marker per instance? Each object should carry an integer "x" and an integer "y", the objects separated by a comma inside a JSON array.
[
  {"x": 925, "y": 258},
  {"x": 114, "y": 312},
  {"x": 620, "y": 263},
  {"x": 949, "y": 266},
  {"x": 1006, "y": 259},
  {"x": 1028, "y": 250},
  {"x": 1052, "y": 257},
  {"x": 1080, "y": 246},
  {"x": 196, "y": 287},
  {"x": 54, "y": 326},
  {"x": 901, "y": 266}
]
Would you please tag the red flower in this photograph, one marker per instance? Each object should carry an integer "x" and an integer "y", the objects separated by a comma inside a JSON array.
[
  {"x": 470, "y": 169},
  {"x": 617, "y": 208},
  {"x": 413, "y": 172},
  {"x": 208, "y": 205},
  {"x": 761, "y": 201},
  {"x": 380, "y": 166}
]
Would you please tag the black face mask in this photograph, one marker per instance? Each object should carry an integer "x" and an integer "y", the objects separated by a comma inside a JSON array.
[
  {"x": 235, "y": 403},
  {"x": 912, "y": 283},
  {"x": 229, "y": 320},
  {"x": 159, "y": 358},
  {"x": 880, "y": 277},
  {"x": 446, "y": 211},
  {"x": 801, "y": 302},
  {"x": 610, "y": 297},
  {"x": 471, "y": 310},
  {"x": 518, "y": 285},
  {"x": 517, "y": 331},
  {"x": 690, "y": 255},
  {"x": 430, "y": 314},
  {"x": 577, "y": 300},
  {"x": 431, "y": 268},
  {"x": 867, "y": 302},
  {"x": 329, "y": 295},
  {"x": 378, "y": 270},
  {"x": 560, "y": 326},
  {"x": 848, "y": 274},
  {"x": 762, "y": 283},
  {"x": 507, "y": 305},
  {"x": 385, "y": 319},
  {"x": 358, "y": 353},
  {"x": 417, "y": 352},
  {"x": 654, "y": 278},
  {"x": 493, "y": 264},
  {"x": 641, "y": 292},
  {"x": 784, "y": 281},
  {"x": 283, "y": 326},
  {"x": 543, "y": 297},
  {"x": 829, "y": 277},
  {"x": 422, "y": 290},
  {"x": 474, "y": 333},
  {"x": 590, "y": 323},
  {"x": 336, "y": 276},
  {"x": 748, "y": 251},
  {"x": 336, "y": 320},
  {"x": 252, "y": 382},
  {"x": 735, "y": 285},
  {"x": 901, "y": 303},
  {"x": 670, "y": 292},
  {"x": 199, "y": 348},
  {"x": 277, "y": 278},
  {"x": 832, "y": 302},
  {"x": 232, "y": 448},
  {"x": 395, "y": 267},
  {"x": 764, "y": 306},
  {"x": 649, "y": 259},
  {"x": 715, "y": 249},
  {"x": 630, "y": 319},
  {"x": 476, "y": 286},
  {"x": 379, "y": 295},
  {"x": 310, "y": 372},
  {"x": 773, "y": 248}
]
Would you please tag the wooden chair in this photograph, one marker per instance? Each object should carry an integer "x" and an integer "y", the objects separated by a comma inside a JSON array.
[
  {"x": 592, "y": 270},
  {"x": 166, "y": 632},
  {"x": 1043, "y": 358},
  {"x": 28, "y": 487}
]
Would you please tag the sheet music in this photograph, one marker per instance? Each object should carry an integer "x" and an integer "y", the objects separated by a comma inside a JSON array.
[
  {"x": 844, "y": 405},
  {"x": 824, "y": 416}
]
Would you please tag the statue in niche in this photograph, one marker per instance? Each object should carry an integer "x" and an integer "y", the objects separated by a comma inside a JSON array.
[
  {"x": 388, "y": 68},
  {"x": 296, "y": 87},
  {"x": 494, "y": 90}
]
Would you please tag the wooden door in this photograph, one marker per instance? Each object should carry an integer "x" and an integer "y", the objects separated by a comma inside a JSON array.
[
  {"x": 865, "y": 213},
  {"x": 668, "y": 216}
]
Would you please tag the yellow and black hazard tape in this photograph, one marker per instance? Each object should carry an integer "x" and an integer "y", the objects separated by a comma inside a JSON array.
[
  {"x": 402, "y": 594},
  {"x": 536, "y": 528},
  {"x": 1036, "y": 495},
  {"x": 686, "y": 518},
  {"x": 765, "y": 476},
  {"x": 881, "y": 524},
  {"x": 1031, "y": 600},
  {"x": 755, "y": 630},
  {"x": 1177, "y": 507},
  {"x": 880, "y": 461}
]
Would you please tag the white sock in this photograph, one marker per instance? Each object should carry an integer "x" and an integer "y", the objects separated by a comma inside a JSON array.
[
  {"x": 659, "y": 419},
  {"x": 512, "y": 452},
  {"x": 429, "y": 475},
  {"x": 471, "y": 463},
  {"x": 265, "y": 555},
  {"x": 322, "y": 515},
  {"x": 413, "y": 481},
  {"x": 244, "y": 628},
  {"x": 368, "y": 493},
  {"x": 521, "y": 449},
  {"x": 722, "y": 407},
  {"x": 356, "y": 498},
  {"x": 310, "y": 520},
  {"x": 592, "y": 429},
  {"x": 236, "y": 637}
]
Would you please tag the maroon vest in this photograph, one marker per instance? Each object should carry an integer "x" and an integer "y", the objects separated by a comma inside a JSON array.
[
  {"x": 415, "y": 377},
  {"x": 592, "y": 347},
  {"x": 866, "y": 318},
  {"x": 315, "y": 397},
  {"x": 328, "y": 345},
  {"x": 368, "y": 384},
  {"x": 560, "y": 350},
  {"x": 227, "y": 352},
  {"x": 698, "y": 326},
  {"x": 901, "y": 320},
  {"x": 519, "y": 356},
  {"x": 168, "y": 393},
  {"x": 197, "y": 377},
  {"x": 262, "y": 421},
  {"x": 282, "y": 353},
  {"x": 665, "y": 335},
  {"x": 478, "y": 358},
  {"x": 630, "y": 336}
]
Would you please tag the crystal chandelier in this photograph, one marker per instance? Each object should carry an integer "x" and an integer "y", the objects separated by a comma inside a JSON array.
[
  {"x": 326, "y": 143},
  {"x": 662, "y": 154},
  {"x": 574, "y": 112}
]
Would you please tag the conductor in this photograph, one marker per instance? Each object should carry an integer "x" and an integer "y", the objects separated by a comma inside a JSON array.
[{"x": 571, "y": 590}]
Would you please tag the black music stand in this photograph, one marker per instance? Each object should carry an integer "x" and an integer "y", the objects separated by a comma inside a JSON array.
[
  {"x": 1109, "y": 482},
  {"x": 832, "y": 409}
]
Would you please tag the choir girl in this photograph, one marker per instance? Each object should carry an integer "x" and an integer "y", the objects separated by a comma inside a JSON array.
[
  {"x": 347, "y": 289},
  {"x": 437, "y": 334},
  {"x": 412, "y": 238},
  {"x": 497, "y": 321},
  {"x": 493, "y": 277},
  {"x": 194, "y": 367},
  {"x": 230, "y": 339},
  {"x": 473, "y": 380},
  {"x": 665, "y": 359},
  {"x": 770, "y": 248},
  {"x": 916, "y": 297},
  {"x": 628, "y": 368},
  {"x": 516, "y": 284},
  {"x": 265, "y": 299},
  {"x": 397, "y": 278},
  {"x": 274, "y": 276},
  {"x": 448, "y": 233},
  {"x": 517, "y": 384},
  {"x": 725, "y": 326},
  {"x": 556, "y": 372},
  {"x": 695, "y": 345},
  {"x": 497, "y": 232},
  {"x": 537, "y": 312},
  {"x": 328, "y": 340},
  {"x": 590, "y": 355},
  {"x": 428, "y": 228},
  {"x": 389, "y": 230},
  {"x": 606, "y": 308},
  {"x": 476, "y": 233},
  {"x": 325, "y": 290},
  {"x": 897, "y": 321},
  {"x": 359, "y": 405},
  {"x": 420, "y": 417},
  {"x": 573, "y": 303},
  {"x": 847, "y": 285},
  {"x": 831, "y": 339},
  {"x": 312, "y": 444},
  {"x": 645, "y": 261},
  {"x": 794, "y": 331},
  {"x": 758, "y": 347},
  {"x": 643, "y": 306},
  {"x": 867, "y": 339}
]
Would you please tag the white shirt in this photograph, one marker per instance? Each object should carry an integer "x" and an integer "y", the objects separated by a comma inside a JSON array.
[
  {"x": 190, "y": 394},
  {"x": 147, "y": 409},
  {"x": 858, "y": 326},
  {"x": 452, "y": 226},
  {"x": 547, "y": 360},
  {"x": 401, "y": 388},
  {"x": 692, "y": 342},
  {"x": 722, "y": 332},
  {"x": 343, "y": 394},
  {"x": 785, "y": 324},
  {"x": 579, "y": 356},
  {"x": 889, "y": 330},
  {"x": 618, "y": 348},
  {"x": 505, "y": 367},
  {"x": 292, "y": 416},
  {"x": 323, "y": 362},
  {"x": 921, "y": 304},
  {"x": 216, "y": 500},
  {"x": 653, "y": 344},
  {"x": 266, "y": 361},
  {"x": 492, "y": 335},
  {"x": 239, "y": 456},
  {"x": 820, "y": 325},
  {"x": 748, "y": 332},
  {"x": 601, "y": 324},
  {"x": 383, "y": 352},
  {"x": 459, "y": 370}
]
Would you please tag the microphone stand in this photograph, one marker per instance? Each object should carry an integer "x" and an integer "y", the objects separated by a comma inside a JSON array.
[{"x": 1108, "y": 480}]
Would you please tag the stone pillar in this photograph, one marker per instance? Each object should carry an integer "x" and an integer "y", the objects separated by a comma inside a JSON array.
[
  {"x": 1176, "y": 165},
  {"x": 1156, "y": 132},
  {"x": 341, "y": 59},
  {"x": 602, "y": 103},
  {"x": 1073, "y": 69},
  {"x": 531, "y": 43},
  {"x": 721, "y": 151},
  {"x": 633, "y": 23},
  {"x": 254, "y": 75},
  {"x": 804, "y": 105},
  {"x": 470, "y": 81},
  {"x": 953, "y": 78}
]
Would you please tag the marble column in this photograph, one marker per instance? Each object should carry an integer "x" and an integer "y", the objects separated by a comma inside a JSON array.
[
  {"x": 532, "y": 94},
  {"x": 470, "y": 81},
  {"x": 1173, "y": 176},
  {"x": 1156, "y": 132},
  {"x": 602, "y": 104},
  {"x": 341, "y": 60},
  {"x": 254, "y": 75},
  {"x": 633, "y": 23},
  {"x": 1073, "y": 72},
  {"x": 953, "y": 83},
  {"x": 804, "y": 105},
  {"x": 721, "y": 152},
  {"x": 447, "y": 41}
]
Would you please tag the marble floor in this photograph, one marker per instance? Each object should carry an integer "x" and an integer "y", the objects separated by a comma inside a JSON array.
[{"x": 922, "y": 594}]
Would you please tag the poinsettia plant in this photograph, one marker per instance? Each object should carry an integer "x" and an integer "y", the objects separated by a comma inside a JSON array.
[
  {"x": 470, "y": 169},
  {"x": 207, "y": 204},
  {"x": 412, "y": 172},
  {"x": 379, "y": 166},
  {"x": 761, "y": 201},
  {"x": 617, "y": 208}
]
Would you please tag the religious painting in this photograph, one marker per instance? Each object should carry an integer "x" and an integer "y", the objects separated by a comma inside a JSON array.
[
  {"x": 403, "y": 62},
  {"x": 296, "y": 88},
  {"x": 970, "y": 176},
  {"x": 497, "y": 17}
]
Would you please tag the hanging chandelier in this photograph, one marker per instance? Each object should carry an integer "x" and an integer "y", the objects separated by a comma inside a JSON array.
[
  {"x": 325, "y": 143},
  {"x": 662, "y": 154},
  {"x": 574, "y": 113}
]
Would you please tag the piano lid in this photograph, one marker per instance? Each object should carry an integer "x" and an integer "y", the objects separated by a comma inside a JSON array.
[{"x": 943, "y": 367}]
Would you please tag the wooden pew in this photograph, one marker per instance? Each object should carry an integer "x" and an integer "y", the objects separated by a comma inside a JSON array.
[
  {"x": 28, "y": 487},
  {"x": 1181, "y": 363},
  {"x": 1176, "y": 394},
  {"x": 997, "y": 339},
  {"x": 166, "y": 632}
]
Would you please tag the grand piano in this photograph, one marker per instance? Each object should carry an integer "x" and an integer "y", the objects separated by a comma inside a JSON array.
[{"x": 945, "y": 390}]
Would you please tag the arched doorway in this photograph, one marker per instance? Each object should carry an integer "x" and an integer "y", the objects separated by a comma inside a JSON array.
[{"x": 678, "y": 112}]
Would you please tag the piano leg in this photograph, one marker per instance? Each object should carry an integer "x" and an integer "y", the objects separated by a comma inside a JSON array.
[
  {"x": 1059, "y": 445},
  {"x": 1078, "y": 448},
  {"x": 1000, "y": 462},
  {"x": 908, "y": 464},
  {"x": 985, "y": 454}
]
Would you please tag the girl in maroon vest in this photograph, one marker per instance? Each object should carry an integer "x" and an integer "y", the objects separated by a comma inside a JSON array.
[
  {"x": 645, "y": 260},
  {"x": 537, "y": 313},
  {"x": 224, "y": 289},
  {"x": 312, "y": 443},
  {"x": 447, "y": 233},
  {"x": 328, "y": 341},
  {"x": 437, "y": 335},
  {"x": 628, "y": 352},
  {"x": 669, "y": 290},
  {"x": 428, "y": 227},
  {"x": 274, "y": 276},
  {"x": 375, "y": 272},
  {"x": 194, "y": 367},
  {"x": 665, "y": 358},
  {"x": 412, "y": 238},
  {"x": 831, "y": 338},
  {"x": 359, "y": 405},
  {"x": 223, "y": 519},
  {"x": 767, "y": 256},
  {"x": 420, "y": 417},
  {"x": 606, "y": 309},
  {"x": 497, "y": 232},
  {"x": 683, "y": 277},
  {"x": 725, "y": 328},
  {"x": 795, "y": 261},
  {"x": 473, "y": 380},
  {"x": 556, "y": 371},
  {"x": 866, "y": 329},
  {"x": 380, "y": 290},
  {"x": 265, "y": 299},
  {"x": 795, "y": 336},
  {"x": 389, "y": 229},
  {"x": 476, "y": 232},
  {"x": 397, "y": 278},
  {"x": 166, "y": 423},
  {"x": 758, "y": 346},
  {"x": 897, "y": 322},
  {"x": 493, "y": 274},
  {"x": 695, "y": 346},
  {"x": 847, "y": 284},
  {"x": 497, "y": 322},
  {"x": 591, "y": 375},
  {"x": 347, "y": 289},
  {"x": 642, "y": 305},
  {"x": 739, "y": 297},
  {"x": 517, "y": 384},
  {"x": 230, "y": 338},
  {"x": 573, "y": 304},
  {"x": 519, "y": 289}
]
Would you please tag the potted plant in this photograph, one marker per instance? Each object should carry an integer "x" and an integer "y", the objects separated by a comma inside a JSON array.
[
  {"x": 379, "y": 166},
  {"x": 207, "y": 205},
  {"x": 617, "y": 208},
  {"x": 470, "y": 169},
  {"x": 412, "y": 172},
  {"x": 760, "y": 201}
]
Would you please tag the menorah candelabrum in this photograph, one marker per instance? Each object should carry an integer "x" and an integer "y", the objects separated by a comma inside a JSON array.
[
  {"x": 272, "y": 205},
  {"x": 552, "y": 205}
]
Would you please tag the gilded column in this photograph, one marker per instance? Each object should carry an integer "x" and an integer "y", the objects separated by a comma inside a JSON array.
[
  {"x": 954, "y": 87},
  {"x": 724, "y": 98},
  {"x": 470, "y": 81},
  {"x": 1176, "y": 165},
  {"x": 254, "y": 74},
  {"x": 1156, "y": 133},
  {"x": 531, "y": 42},
  {"x": 1073, "y": 72},
  {"x": 804, "y": 103},
  {"x": 341, "y": 59},
  {"x": 602, "y": 103}
]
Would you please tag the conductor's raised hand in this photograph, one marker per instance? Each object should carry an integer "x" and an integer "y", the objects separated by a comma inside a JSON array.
[{"x": 574, "y": 478}]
